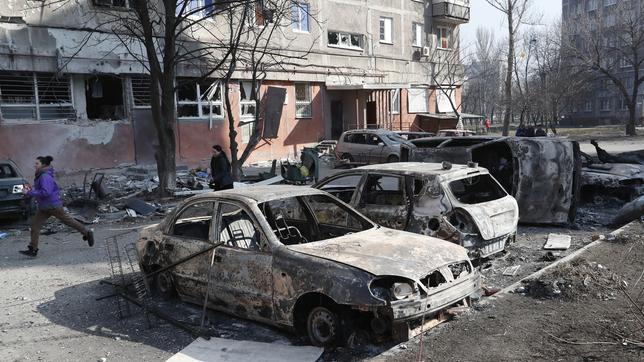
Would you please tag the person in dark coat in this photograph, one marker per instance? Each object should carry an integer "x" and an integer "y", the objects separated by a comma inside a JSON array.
[
  {"x": 47, "y": 195},
  {"x": 540, "y": 132},
  {"x": 220, "y": 170}
]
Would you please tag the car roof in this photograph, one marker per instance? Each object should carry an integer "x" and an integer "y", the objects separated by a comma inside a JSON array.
[
  {"x": 376, "y": 130},
  {"x": 261, "y": 194},
  {"x": 419, "y": 168}
]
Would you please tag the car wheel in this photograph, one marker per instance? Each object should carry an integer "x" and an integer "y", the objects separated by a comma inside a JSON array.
[
  {"x": 165, "y": 285},
  {"x": 347, "y": 156},
  {"x": 393, "y": 158},
  {"x": 323, "y": 327}
]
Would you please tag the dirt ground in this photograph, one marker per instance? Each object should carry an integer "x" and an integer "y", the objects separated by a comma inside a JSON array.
[{"x": 595, "y": 322}]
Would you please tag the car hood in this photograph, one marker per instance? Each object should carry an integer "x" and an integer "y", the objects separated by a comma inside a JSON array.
[
  {"x": 382, "y": 251},
  {"x": 494, "y": 218}
]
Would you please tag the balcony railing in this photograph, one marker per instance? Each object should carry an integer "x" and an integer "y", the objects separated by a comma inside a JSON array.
[{"x": 451, "y": 11}]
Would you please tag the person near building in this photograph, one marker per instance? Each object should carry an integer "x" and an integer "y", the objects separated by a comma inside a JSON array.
[
  {"x": 47, "y": 194},
  {"x": 488, "y": 125},
  {"x": 220, "y": 170}
]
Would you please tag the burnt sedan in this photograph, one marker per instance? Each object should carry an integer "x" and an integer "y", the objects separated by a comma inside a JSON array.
[
  {"x": 299, "y": 258},
  {"x": 460, "y": 203}
]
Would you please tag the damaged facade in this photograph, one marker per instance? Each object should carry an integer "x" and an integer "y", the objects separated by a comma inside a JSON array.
[{"x": 89, "y": 104}]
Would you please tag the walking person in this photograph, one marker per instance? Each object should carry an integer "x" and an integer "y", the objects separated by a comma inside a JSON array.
[
  {"x": 220, "y": 170},
  {"x": 47, "y": 195}
]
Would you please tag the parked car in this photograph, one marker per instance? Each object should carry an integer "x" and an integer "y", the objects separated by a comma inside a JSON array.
[
  {"x": 454, "y": 133},
  {"x": 542, "y": 173},
  {"x": 458, "y": 203},
  {"x": 12, "y": 201},
  {"x": 369, "y": 146},
  {"x": 297, "y": 257},
  {"x": 409, "y": 135}
]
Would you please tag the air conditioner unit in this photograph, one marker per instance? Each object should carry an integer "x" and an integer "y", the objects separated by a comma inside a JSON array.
[{"x": 426, "y": 51}]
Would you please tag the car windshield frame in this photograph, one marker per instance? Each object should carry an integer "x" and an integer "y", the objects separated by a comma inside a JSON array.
[
  {"x": 495, "y": 190},
  {"x": 3, "y": 168},
  {"x": 311, "y": 217}
]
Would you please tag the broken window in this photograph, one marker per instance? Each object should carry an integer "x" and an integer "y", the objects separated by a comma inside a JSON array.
[
  {"x": 329, "y": 213},
  {"x": 236, "y": 228},
  {"x": 6, "y": 171},
  {"x": 112, "y": 3},
  {"x": 343, "y": 187},
  {"x": 476, "y": 189},
  {"x": 383, "y": 190},
  {"x": 247, "y": 99},
  {"x": 199, "y": 100},
  {"x": 104, "y": 97},
  {"x": 35, "y": 96},
  {"x": 345, "y": 40},
  {"x": 195, "y": 8},
  {"x": 303, "y": 100},
  {"x": 194, "y": 221}
]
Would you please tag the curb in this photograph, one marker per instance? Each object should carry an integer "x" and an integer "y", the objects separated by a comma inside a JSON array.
[{"x": 509, "y": 289}]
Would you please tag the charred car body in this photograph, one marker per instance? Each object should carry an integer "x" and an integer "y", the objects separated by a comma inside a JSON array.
[
  {"x": 458, "y": 203},
  {"x": 12, "y": 200},
  {"x": 299, "y": 258},
  {"x": 542, "y": 173}
]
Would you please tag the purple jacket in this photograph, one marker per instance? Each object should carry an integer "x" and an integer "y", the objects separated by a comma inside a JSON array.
[{"x": 45, "y": 189}]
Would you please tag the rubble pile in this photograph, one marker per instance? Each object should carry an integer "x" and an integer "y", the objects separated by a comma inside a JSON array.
[{"x": 577, "y": 280}]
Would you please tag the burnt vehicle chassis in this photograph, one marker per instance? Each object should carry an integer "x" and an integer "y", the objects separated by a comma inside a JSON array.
[
  {"x": 542, "y": 173},
  {"x": 319, "y": 288},
  {"x": 12, "y": 201}
]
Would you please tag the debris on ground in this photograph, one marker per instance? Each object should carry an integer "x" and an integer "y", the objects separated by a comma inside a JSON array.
[
  {"x": 557, "y": 242},
  {"x": 629, "y": 212},
  {"x": 511, "y": 271},
  {"x": 140, "y": 206},
  {"x": 576, "y": 280}
]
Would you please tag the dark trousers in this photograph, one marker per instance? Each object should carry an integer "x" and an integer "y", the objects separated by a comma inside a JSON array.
[{"x": 59, "y": 213}]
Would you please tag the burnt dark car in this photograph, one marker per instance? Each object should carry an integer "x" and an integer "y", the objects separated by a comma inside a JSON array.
[
  {"x": 12, "y": 201},
  {"x": 297, "y": 257}
]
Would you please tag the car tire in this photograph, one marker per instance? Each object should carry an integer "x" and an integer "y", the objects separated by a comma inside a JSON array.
[
  {"x": 164, "y": 285},
  {"x": 393, "y": 158},
  {"x": 323, "y": 327},
  {"x": 347, "y": 156}
]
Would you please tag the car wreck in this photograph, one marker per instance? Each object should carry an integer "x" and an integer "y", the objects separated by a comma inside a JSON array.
[
  {"x": 463, "y": 204},
  {"x": 12, "y": 201},
  {"x": 542, "y": 173},
  {"x": 296, "y": 257}
]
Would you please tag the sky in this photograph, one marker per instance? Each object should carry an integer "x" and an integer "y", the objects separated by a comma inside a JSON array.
[{"x": 484, "y": 15}]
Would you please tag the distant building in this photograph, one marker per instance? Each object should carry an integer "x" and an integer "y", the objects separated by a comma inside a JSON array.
[
  {"x": 601, "y": 103},
  {"x": 90, "y": 107}
]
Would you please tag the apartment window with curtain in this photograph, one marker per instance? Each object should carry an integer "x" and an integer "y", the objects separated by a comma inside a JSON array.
[
  {"x": 303, "y": 108},
  {"x": 417, "y": 35},
  {"x": 444, "y": 36},
  {"x": 394, "y": 107}
]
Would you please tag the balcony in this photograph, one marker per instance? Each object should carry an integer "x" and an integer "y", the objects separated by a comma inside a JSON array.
[{"x": 453, "y": 12}]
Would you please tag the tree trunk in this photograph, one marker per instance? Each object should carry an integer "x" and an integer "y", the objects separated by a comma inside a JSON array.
[
  {"x": 232, "y": 135},
  {"x": 508, "y": 77},
  {"x": 630, "y": 126}
]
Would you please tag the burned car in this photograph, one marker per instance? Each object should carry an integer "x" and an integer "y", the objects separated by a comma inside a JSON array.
[
  {"x": 458, "y": 203},
  {"x": 12, "y": 201},
  {"x": 297, "y": 257},
  {"x": 542, "y": 173}
]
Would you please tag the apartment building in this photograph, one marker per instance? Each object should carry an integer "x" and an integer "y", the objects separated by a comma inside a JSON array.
[
  {"x": 601, "y": 102},
  {"x": 369, "y": 63}
]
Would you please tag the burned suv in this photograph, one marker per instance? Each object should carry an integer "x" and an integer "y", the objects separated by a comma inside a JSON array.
[
  {"x": 299, "y": 258},
  {"x": 12, "y": 201},
  {"x": 459, "y": 203}
]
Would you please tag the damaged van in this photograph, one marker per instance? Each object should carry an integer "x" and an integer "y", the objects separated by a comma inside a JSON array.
[
  {"x": 459, "y": 203},
  {"x": 542, "y": 173}
]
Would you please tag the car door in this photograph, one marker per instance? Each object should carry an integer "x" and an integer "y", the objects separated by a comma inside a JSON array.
[
  {"x": 383, "y": 199},
  {"x": 376, "y": 148},
  {"x": 241, "y": 278},
  {"x": 189, "y": 233}
]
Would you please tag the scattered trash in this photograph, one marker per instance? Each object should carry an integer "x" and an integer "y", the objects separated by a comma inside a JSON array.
[
  {"x": 520, "y": 290},
  {"x": 550, "y": 256},
  {"x": 597, "y": 237},
  {"x": 557, "y": 242},
  {"x": 403, "y": 346},
  {"x": 130, "y": 212},
  {"x": 511, "y": 271},
  {"x": 488, "y": 292}
]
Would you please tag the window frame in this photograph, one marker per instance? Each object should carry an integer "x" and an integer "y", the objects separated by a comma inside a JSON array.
[
  {"x": 307, "y": 103},
  {"x": 203, "y": 13},
  {"x": 200, "y": 103},
  {"x": 447, "y": 37},
  {"x": 363, "y": 192},
  {"x": 262, "y": 234},
  {"x": 386, "y": 33},
  {"x": 36, "y": 105},
  {"x": 340, "y": 45},
  {"x": 395, "y": 101},
  {"x": 416, "y": 35},
  {"x": 425, "y": 103},
  {"x": 303, "y": 14},
  {"x": 169, "y": 232}
]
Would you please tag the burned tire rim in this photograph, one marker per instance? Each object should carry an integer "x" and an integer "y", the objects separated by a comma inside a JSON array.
[
  {"x": 322, "y": 326},
  {"x": 164, "y": 284}
]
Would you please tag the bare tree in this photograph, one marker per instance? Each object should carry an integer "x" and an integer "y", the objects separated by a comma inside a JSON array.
[
  {"x": 514, "y": 11},
  {"x": 447, "y": 75},
  {"x": 607, "y": 42}
]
